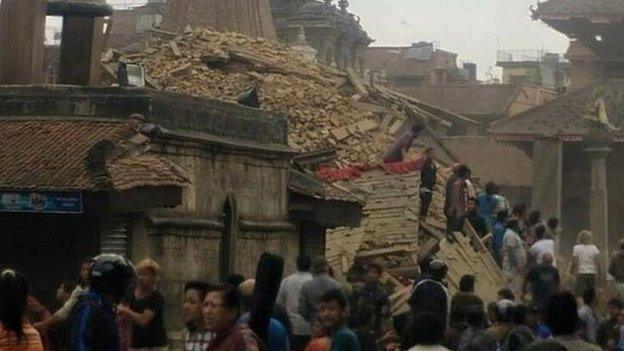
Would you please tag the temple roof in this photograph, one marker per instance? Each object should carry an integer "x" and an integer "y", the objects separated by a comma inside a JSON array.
[
  {"x": 560, "y": 9},
  {"x": 64, "y": 154},
  {"x": 566, "y": 116}
]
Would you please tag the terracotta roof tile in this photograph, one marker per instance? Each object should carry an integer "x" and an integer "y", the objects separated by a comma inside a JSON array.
[
  {"x": 580, "y": 7},
  {"x": 564, "y": 116},
  {"x": 52, "y": 155}
]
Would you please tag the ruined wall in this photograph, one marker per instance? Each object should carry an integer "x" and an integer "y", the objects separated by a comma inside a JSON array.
[
  {"x": 186, "y": 241},
  {"x": 249, "y": 17}
]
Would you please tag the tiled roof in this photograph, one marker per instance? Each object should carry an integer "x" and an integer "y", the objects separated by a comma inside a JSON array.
[
  {"x": 48, "y": 154},
  {"x": 311, "y": 186},
  {"x": 564, "y": 116},
  {"x": 467, "y": 100},
  {"x": 580, "y": 7}
]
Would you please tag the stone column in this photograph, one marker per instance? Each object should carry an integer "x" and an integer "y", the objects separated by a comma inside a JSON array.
[
  {"x": 547, "y": 176},
  {"x": 114, "y": 234},
  {"x": 22, "y": 34},
  {"x": 598, "y": 198}
]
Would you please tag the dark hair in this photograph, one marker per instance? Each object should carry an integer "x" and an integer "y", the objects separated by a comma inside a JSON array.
[
  {"x": 561, "y": 314},
  {"x": 553, "y": 223},
  {"x": 69, "y": 286},
  {"x": 540, "y": 232},
  {"x": 320, "y": 265},
  {"x": 335, "y": 295},
  {"x": 201, "y": 288},
  {"x": 616, "y": 302},
  {"x": 513, "y": 224},
  {"x": 482, "y": 341},
  {"x": 463, "y": 171},
  {"x": 492, "y": 309},
  {"x": 546, "y": 345},
  {"x": 535, "y": 217},
  {"x": 376, "y": 266},
  {"x": 501, "y": 216},
  {"x": 519, "y": 209},
  {"x": 490, "y": 188},
  {"x": 518, "y": 315},
  {"x": 235, "y": 279},
  {"x": 427, "y": 328},
  {"x": 13, "y": 295},
  {"x": 424, "y": 263},
  {"x": 467, "y": 283},
  {"x": 230, "y": 295},
  {"x": 365, "y": 314},
  {"x": 304, "y": 262},
  {"x": 507, "y": 294},
  {"x": 589, "y": 296}
]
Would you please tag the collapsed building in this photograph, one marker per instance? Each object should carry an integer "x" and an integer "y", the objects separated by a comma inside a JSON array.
[{"x": 200, "y": 183}]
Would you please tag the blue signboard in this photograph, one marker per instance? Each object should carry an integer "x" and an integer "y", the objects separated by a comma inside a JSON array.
[{"x": 41, "y": 202}]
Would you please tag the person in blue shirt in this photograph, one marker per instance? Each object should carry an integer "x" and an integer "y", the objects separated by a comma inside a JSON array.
[
  {"x": 488, "y": 203},
  {"x": 332, "y": 311},
  {"x": 93, "y": 325},
  {"x": 498, "y": 233}
]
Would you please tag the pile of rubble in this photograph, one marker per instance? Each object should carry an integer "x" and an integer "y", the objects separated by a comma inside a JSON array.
[{"x": 325, "y": 108}]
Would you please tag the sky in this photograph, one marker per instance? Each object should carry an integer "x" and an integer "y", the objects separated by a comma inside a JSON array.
[{"x": 475, "y": 29}]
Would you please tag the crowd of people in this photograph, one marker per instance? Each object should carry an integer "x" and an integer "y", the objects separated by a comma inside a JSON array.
[{"x": 115, "y": 306}]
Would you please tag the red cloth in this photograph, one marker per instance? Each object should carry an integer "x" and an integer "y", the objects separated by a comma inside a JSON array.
[{"x": 331, "y": 175}]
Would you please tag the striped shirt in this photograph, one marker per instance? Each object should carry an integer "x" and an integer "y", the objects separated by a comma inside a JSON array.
[
  {"x": 197, "y": 340},
  {"x": 30, "y": 342}
]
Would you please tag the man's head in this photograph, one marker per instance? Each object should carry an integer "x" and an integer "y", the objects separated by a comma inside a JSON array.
[
  {"x": 147, "y": 273},
  {"x": 438, "y": 269},
  {"x": 467, "y": 283},
  {"x": 505, "y": 309},
  {"x": 473, "y": 204},
  {"x": 374, "y": 272},
  {"x": 429, "y": 153},
  {"x": 514, "y": 225},
  {"x": 427, "y": 328},
  {"x": 561, "y": 314},
  {"x": 64, "y": 291},
  {"x": 111, "y": 275},
  {"x": 519, "y": 211},
  {"x": 553, "y": 224},
  {"x": 332, "y": 309},
  {"x": 533, "y": 315},
  {"x": 540, "y": 232},
  {"x": 490, "y": 188},
  {"x": 221, "y": 308},
  {"x": 506, "y": 294},
  {"x": 424, "y": 263},
  {"x": 502, "y": 216},
  {"x": 320, "y": 265},
  {"x": 614, "y": 306},
  {"x": 304, "y": 262},
  {"x": 535, "y": 217},
  {"x": 547, "y": 259},
  {"x": 194, "y": 295},
  {"x": 463, "y": 172}
]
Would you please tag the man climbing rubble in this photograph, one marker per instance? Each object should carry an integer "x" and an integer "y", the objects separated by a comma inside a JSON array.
[{"x": 401, "y": 146}]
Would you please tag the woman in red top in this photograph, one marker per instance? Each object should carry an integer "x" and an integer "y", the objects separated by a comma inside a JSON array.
[
  {"x": 221, "y": 311},
  {"x": 16, "y": 332}
]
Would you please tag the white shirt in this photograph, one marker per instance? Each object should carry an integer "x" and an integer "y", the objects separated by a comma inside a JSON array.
[
  {"x": 288, "y": 296},
  {"x": 542, "y": 247},
  {"x": 586, "y": 255}
]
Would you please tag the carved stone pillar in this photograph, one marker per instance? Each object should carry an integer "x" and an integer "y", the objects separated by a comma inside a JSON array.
[{"x": 598, "y": 198}]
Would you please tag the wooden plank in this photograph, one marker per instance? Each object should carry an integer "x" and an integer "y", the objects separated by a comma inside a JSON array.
[
  {"x": 175, "y": 49},
  {"x": 357, "y": 82},
  {"x": 396, "y": 250}
]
